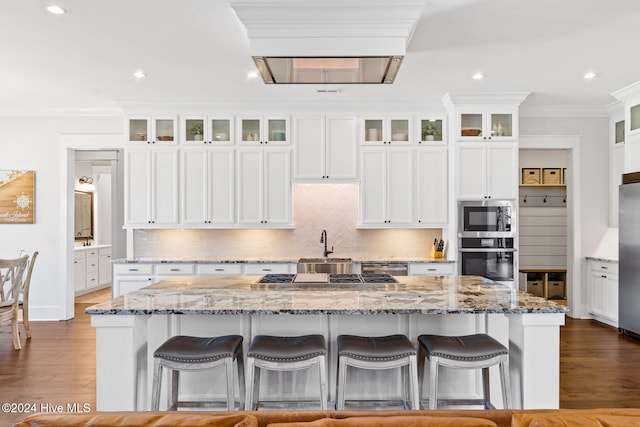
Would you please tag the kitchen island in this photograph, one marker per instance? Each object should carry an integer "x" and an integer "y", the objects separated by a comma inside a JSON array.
[{"x": 129, "y": 328}]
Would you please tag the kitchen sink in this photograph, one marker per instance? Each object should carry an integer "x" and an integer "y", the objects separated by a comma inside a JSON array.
[{"x": 325, "y": 265}]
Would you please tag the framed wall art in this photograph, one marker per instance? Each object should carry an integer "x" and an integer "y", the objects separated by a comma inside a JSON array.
[{"x": 17, "y": 197}]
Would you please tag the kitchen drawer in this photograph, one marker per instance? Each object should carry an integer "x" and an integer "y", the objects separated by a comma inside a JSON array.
[
  {"x": 259, "y": 269},
  {"x": 79, "y": 255},
  {"x": 92, "y": 253},
  {"x": 92, "y": 280},
  {"x": 104, "y": 251},
  {"x": 92, "y": 264},
  {"x": 219, "y": 269},
  {"x": 133, "y": 269},
  {"x": 175, "y": 269},
  {"x": 604, "y": 267},
  {"x": 431, "y": 269}
]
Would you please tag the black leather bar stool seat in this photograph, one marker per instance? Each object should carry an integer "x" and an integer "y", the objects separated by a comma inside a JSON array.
[
  {"x": 278, "y": 353},
  {"x": 187, "y": 353},
  {"x": 386, "y": 352},
  {"x": 477, "y": 351}
]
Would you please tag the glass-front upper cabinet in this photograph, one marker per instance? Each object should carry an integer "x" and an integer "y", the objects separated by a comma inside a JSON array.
[
  {"x": 264, "y": 130},
  {"x": 199, "y": 130},
  {"x": 430, "y": 130},
  {"x": 152, "y": 130},
  {"x": 385, "y": 130},
  {"x": 487, "y": 125},
  {"x": 619, "y": 132},
  {"x": 634, "y": 118}
]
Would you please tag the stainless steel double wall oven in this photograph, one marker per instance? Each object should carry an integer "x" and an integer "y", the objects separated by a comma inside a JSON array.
[{"x": 487, "y": 239}]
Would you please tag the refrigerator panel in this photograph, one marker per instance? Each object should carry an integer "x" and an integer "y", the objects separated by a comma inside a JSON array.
[{"x": 629, "y": 261}]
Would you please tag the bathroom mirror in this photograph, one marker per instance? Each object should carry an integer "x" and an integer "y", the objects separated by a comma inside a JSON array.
[{"x": 83, "y": 216}]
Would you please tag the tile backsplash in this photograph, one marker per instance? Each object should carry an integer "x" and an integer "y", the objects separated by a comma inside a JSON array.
[{"x": 333, "y": 207}]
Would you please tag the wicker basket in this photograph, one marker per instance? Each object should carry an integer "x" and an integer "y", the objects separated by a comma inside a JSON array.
[
  {"x": 531, "y": 176},
  {"x": 551, "y": 176},
  {"x": 471, "y": 132}
]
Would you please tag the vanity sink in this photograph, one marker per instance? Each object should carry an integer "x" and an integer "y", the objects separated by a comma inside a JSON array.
[{"x": 325, "y": 265}]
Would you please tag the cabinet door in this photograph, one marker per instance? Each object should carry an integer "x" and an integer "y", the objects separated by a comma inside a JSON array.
[
  {"x": 310, "y": 148},
  {"x": 341, "y": 148},
  {"x": 104, "y": 270},
  {"x": 431, "y": 178},
  {"x": 80, "y": 275},
  {"x": 400, "y": 186},
  {"x": 222, "y": 186},
  {"x": 194, "y": 186},
  {"x": 472, "y": 170},
  {"x": 373, "y": 188},
  {"x": 165, "y": 186},
  {"x": 277, "y": 187},
  {"x": 597, "y": 288},
  {"x": 138, "y": 187},
  {"x": 250, "y": 186},
  {"x": 502, "y": 175},
  {"x": 611, "y": 308}
]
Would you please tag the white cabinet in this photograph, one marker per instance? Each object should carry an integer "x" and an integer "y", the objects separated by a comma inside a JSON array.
[
  {"x": 432, "y": 269},
  {"x": 79, "y": 275},
  {"x": 159, "y": 130},
  {"x": 478, "y": 123},
  {"x": 616, "y": 165},
  {"x": 487, "y": 170},
  {"x": 386, "y": 130},
  {"x": 263, "y": 130},
  {"x": 151, "y": 187},
  {"x": 92, "y": 268},
  {"x": 603, "y": 291},
  {"x": 131, "y": 277},
  {"x": 170, "y": 269},
  {"x": 430, "y": 130},
  {"x": 104, "y": 265},
  {"x": 207, "y": 130},
  {"x": 386, "y": 190},
  {"x": 325, "y": 148},
  {"x": 220, "y": 269},
  {"x": 264, "y": 187},
  {"x": 208, "y": 186},
  {"x": 259, "y": 269},
  {"x": 431, "y": 187}
]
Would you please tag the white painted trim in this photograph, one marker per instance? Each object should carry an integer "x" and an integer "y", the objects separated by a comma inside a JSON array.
[
  {"x": 574, "y": 248},
  {"x": 61, "y": 112},
  {"x": 68, "y": 144}
]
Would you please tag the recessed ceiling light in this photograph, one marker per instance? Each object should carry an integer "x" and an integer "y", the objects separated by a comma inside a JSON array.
[
  {"x": 139, "y": 74},
  {"x": 590, "y": 75},
  {"x": 56, "y": 10},
  {"x": 253, "y": 75},
  {"x": 478, "y": 76}
]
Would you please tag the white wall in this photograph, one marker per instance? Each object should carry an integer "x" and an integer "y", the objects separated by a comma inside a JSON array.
[{"x": 34, "y": 143}]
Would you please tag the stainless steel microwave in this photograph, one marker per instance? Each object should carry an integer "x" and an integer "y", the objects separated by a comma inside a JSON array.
[{"x": 486, "y": 218}]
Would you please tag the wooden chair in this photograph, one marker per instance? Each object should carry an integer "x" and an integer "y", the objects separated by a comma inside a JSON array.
[
  {"x": 23, "y": 304},
  {"x": 11, "y": 279}
]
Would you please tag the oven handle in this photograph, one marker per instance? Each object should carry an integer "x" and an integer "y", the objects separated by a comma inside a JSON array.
[{"x": 487, "y": 250}]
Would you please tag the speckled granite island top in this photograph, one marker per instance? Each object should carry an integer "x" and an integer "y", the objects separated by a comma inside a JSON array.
[{"x": 242, "y": 295}]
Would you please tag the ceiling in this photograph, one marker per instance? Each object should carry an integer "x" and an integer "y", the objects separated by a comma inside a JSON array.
[{"x": 195, "y": 52}]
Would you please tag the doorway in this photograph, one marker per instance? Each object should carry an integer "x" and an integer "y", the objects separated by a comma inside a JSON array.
[
  {"x": 542, "y": 228},
  {"x": 97, "y": 177}
]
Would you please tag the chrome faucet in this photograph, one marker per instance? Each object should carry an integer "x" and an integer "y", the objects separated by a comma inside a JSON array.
[{"x": 323, "y": 239}]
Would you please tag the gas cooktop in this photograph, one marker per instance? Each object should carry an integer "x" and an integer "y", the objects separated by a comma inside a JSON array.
[{"x": 332, "y": 278}]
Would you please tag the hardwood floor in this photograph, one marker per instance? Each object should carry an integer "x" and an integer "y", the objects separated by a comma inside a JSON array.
[{"x": 598, "y": 366}]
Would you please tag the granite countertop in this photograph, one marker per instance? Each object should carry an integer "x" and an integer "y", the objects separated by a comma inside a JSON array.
[
  {"x": 275, "y": 261},
  {"x": 610, "y": 259},
  {"x": 242, "y": 295}
]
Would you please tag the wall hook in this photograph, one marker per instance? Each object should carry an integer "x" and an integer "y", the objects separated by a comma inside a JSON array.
[
  {"x": 525, "y": 199},
  {"x": 545, "y": 198}
]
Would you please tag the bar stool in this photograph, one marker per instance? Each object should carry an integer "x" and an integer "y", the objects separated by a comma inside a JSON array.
[
  {"x": 387, "y": 352},
  {"x": 477, "y": 351},
  {"x": 277, "y": 353},
  {"x": 186, "y": 353}
]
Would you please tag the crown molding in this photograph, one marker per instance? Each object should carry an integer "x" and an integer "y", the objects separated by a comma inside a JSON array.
[
  {"x": 61, "y": 112},
  {"x": 451, "y": 100},
  {"x": 626, "y": 93}
]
